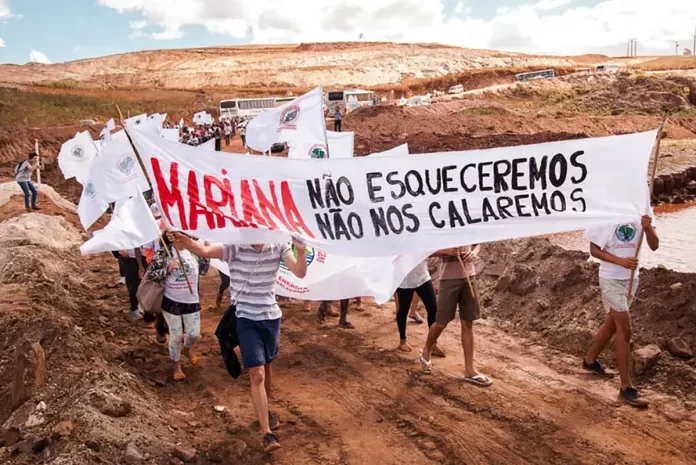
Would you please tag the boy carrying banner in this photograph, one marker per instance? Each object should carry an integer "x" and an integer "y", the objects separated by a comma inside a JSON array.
[
  {"x": 253, "y": 274},
  {"x": 616, "y": 247}
]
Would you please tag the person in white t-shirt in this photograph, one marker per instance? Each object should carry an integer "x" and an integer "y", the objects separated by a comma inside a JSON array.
[
  {"x": 616, "y": 247},
  {"x": 181, "y": 307}
]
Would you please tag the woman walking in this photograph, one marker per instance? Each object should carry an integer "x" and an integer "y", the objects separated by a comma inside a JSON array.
[
  {"x": 181, "y": 307},
  {"x": 418, "y": 281}
]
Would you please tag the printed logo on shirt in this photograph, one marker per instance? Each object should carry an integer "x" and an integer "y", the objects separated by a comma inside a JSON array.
[
  {"x": 179, "y": 275},
  {"x": 289, "y": 116},
  {"x": 90, "y": 190},
  {"x": 78, "y": 152},
  {"x": 626, "y": 232},
  {"x": 318, "y": 151}
]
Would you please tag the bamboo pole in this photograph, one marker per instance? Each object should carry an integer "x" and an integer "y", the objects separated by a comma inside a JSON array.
[
  {"x": 651, "y": 186},
  {"x": 142, "y": 167}
]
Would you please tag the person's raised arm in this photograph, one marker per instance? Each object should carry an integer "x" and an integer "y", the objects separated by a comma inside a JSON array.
[
  {"x": 298, "y": 266},
  {"x": 650, "y": 233},
  {"x": 182, "y": 241},
  {"x": 598, "y": 253}
]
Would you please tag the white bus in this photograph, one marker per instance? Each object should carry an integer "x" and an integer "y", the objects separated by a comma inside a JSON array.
[
  {"x": 545, "y": 74},
  {"x": 250, "y": 107},
  {"x": 349, "y": 100}
]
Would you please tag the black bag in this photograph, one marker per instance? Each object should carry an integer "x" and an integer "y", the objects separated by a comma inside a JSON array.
[{"x": 226, "y": 333}]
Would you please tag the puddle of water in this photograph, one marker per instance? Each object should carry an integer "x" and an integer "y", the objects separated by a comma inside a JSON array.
[{"x": 675, "y": 225}]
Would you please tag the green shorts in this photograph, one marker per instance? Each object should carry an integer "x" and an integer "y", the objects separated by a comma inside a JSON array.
[{"x": 453, "y": 293}]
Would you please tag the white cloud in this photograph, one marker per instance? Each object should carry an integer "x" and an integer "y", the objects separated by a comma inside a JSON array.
[
  {"x": 39, "y": 57},
  {"x": 2, "y": 43},
  {"x": 137, "y": 25},
  {"x": 539, "y": 26},
  {"x": 5, "y": 9}
]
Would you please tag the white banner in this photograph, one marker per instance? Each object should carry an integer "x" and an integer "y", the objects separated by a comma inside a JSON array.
[
  {"x": 207, "y": 146},
  {"x": 330, "y": 277},
  {"x": 381, "y": 206},
  {"x": 131, "y": 226},
  {"x": 76, "y": 157},
  {"x": 300, "y": 122}
]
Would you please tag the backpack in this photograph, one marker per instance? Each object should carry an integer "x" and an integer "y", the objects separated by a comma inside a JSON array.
[{"x": 18, "y": 167}]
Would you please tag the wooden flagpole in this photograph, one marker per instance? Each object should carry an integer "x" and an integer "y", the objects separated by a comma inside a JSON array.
[
  {"x": 142, "y": 167},
  {"x": 651, "y": 186},
  {"x": 38, "y": 170},
  {"x": 468, "y": 278}
]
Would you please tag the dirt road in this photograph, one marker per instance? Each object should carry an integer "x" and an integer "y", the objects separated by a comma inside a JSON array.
[{"x": 348, "y": 397}]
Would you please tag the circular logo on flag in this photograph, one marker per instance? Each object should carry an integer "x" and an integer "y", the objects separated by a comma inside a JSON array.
[
  {"x": 90, "y": 190},
  {"x": 78, "y": 152},
  {"x": 318, "y": 151},
  {"x": 626, "y": 232},
  {"x": 126, "y": 164},
  {"x": 289, "y": 116},
  {"x": 309, "y": 257}
]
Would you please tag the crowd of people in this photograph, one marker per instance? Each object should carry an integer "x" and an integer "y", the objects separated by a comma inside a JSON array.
[
  {"x": 176, "y": 261},
  {"x": 256, "y": 316},
  {"x": 226, "y": 129}
]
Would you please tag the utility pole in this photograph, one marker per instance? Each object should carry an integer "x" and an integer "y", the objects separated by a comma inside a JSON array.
[
  {"x": 677, "y": 53},
  {"x": 635, "y": 47}
]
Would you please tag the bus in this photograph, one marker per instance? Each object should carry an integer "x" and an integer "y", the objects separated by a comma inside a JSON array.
[
  {"x": 545, "y": 74},
  {"x": 250, "y": 107},
  {"x": 348, "y": 100}
]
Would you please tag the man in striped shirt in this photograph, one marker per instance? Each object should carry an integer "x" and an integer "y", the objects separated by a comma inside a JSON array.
[{"x": 253, "y": 274}]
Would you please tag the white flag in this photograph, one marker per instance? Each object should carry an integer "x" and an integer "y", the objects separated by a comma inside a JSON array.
[
  {"x": 171, "y": 135},
  {"x": 136, "y": 120},
  {"x": 299, "y": 122},
  {"x": 114, "y": 175},
  {"x": 202, "y": 117},
  {"x": 76, "y": 157},
  {"x": 341, "y": 144},
  {"x": 105, "y": 135},
  {"x": 131, "y": 226}
]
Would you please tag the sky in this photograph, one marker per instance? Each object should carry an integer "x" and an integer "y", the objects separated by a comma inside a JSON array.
[{"x": 51, "y": 31}]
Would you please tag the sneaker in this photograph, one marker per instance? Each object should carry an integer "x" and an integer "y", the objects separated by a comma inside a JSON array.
[
  {"x": 136, "y": 315},
  {"x": 122, "y": 280},
  {"x": 270, "y": 442},
  {"x": 595, "y": 368},
  {"x": 632, "y": 398},
  {"x": 36, "y": 209}
]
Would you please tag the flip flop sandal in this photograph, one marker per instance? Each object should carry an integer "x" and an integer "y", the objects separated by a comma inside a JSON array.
[
  {"x": 195, "y": 361},
  {"x": 416, "y": 319},
  {"x": 346, "y": 325},
  {"x": 179, "y": 376},
  {"x": 426, "y": 366},
  {"x": 479, "y": 380}
]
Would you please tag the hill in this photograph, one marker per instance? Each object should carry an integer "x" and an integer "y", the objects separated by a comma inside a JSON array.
[{"x": 304, "y": 65}]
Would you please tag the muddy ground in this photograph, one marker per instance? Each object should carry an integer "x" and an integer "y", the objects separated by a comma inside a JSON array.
[
  {"x": 345, "y": 397},
  {"x": 349, "y": 397}
]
